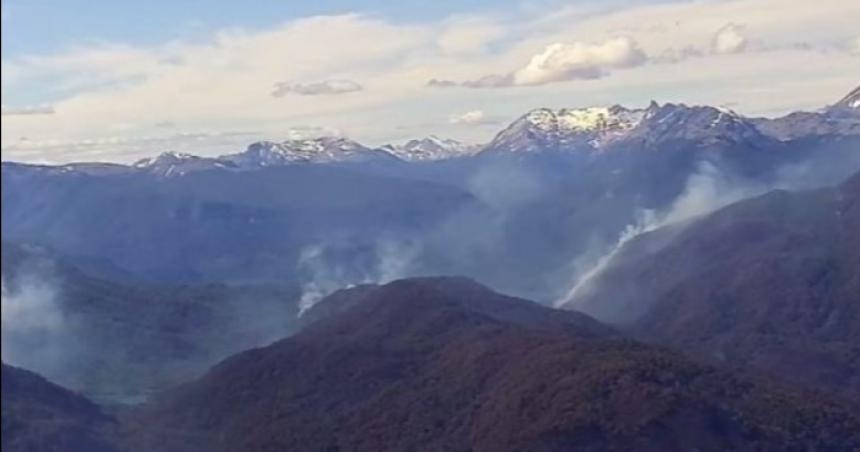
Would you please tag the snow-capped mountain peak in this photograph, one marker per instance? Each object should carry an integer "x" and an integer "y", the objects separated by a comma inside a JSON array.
[
  {"x": 599, "y": 128},
  {"x": 430, "y": 148},
  {"x": 313, "y": 150},
  {"x": 701, "y": 125},
  {"x": 172, "y": 163},
  {"x": 169, "y": 157},
  {"x": 544, "y": 128},
  {"x": 585, "y": 119}
]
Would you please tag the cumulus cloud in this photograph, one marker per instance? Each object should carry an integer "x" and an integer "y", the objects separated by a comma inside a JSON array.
[
  {"x": 96, "y": 85},
  {"x": 340, "y": 86},
  {"x": 28, "y": 110},
  {"x": 562, "y": 62},
  {"x": 469, "y": 117},
  {"x": 580, "y": 60},
  {"x": 729, "y": 39}
]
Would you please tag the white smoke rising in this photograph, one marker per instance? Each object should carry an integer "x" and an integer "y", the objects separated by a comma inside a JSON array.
[
  {"x": 706, "y": 190},
  {"x": 645, "y": 223},
  {"x": 34, "y": 328},
  {"x": 326, "y": 270},
  {"x": 30, "y": 309},
  {"x": 457, "y": 245},
  {"x": 394, "y": 260}
]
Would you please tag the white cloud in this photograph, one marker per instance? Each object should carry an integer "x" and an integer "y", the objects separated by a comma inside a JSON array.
[
  {"x": 89, "y": 67},
  {"x": 580, "y": 60},
  {"x": 281, "y": 89},
  {"x": 469, "y": 117},
  {"x": 729, "y": 39},
  {"x": 562, "y": 62},
  {"x": 223, "y": 83}
]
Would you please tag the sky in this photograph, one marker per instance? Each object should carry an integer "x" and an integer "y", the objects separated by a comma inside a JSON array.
[{"x": 119, "y": 81}]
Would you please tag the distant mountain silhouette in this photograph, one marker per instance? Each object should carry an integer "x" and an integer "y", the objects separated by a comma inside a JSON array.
[{"x": 513, "y": 215}]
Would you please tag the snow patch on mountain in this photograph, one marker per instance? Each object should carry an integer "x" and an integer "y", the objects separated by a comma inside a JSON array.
[
  {"x": 599, "y": 128},
  {"x": 545, "y": 128},
  {"x": 314, "y": 150},
  {"x": 430, "y": 148},
  {"x": 169, "y": 164}
]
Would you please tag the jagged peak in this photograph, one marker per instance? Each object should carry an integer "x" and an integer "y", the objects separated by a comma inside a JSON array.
[
  {"x": 597, "y": 127},
  {"x": 851, "y": 100},
  {"x": 577, "y": 127},
  {"x": 431, "y": 147},
  {"x": 327, "y": 148},
  {"x": 165, "y": 157}
]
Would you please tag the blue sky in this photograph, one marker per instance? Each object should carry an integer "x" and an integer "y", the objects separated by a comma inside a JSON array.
[
  {"x": 44, "y": 26},
  {"x": 121, "y": 80}
]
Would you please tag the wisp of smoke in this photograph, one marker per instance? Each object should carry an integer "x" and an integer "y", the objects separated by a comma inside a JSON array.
[
  {"x": 706, "y": 190},
  {"x": 645, "y": 223},
  {"x": 34, "y": 332},
  {"x": 326, "y": 270}
]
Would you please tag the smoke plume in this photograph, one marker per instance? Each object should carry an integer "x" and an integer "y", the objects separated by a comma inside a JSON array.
[
  {"x": 326, "y": 268},
  {"x": 35, "y": 331},
  {"x": 706, "y": 190}
]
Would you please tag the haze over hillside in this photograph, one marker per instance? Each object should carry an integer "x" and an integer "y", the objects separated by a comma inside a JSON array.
[
  {"x": 424, "y": 226},
  {"x": 200, "y": 258},
  {"x": 429, "y": 363},
  {"x": 770, "y": 283}
]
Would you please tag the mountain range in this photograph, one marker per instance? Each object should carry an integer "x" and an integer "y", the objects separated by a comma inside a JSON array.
[
  {"x": 589, "y": 128},
  {"x": 297, "y": 295},
  {"x": 275, "y": 201}
]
